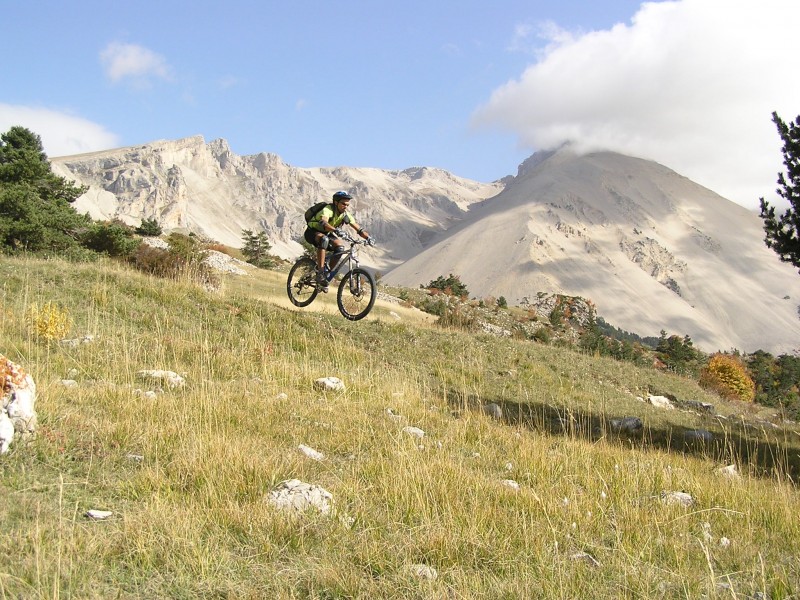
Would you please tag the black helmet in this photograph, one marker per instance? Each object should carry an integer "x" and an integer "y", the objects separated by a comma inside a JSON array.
[{"x": 341, "y": 196}]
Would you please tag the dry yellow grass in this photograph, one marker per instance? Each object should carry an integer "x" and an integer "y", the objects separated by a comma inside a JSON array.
[{"x": 186, "y": 472}]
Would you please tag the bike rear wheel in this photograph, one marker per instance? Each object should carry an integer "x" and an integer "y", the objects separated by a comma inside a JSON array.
[
  {"x": 356, "y": 294},
  {"x": 301, "y": 286}
]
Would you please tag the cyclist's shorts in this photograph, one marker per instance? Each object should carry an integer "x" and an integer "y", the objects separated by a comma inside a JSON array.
[{"x": 310, "y": 236}]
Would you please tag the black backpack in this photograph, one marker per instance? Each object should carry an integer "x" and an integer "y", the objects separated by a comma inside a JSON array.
[{"x": 312, "y": 212}]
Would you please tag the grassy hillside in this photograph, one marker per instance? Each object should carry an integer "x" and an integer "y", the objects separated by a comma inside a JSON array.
[{"x": 187, "y": 471}]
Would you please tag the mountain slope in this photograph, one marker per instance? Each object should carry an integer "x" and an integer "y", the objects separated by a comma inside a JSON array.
[
  {"x": 208, "y": 189},
  {"x": 651, "y": 248}
]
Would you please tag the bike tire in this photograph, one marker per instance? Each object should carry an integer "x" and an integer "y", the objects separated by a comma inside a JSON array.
[
  {"x": 301, "y": 285},
  {"x": 356, "y": 294}
]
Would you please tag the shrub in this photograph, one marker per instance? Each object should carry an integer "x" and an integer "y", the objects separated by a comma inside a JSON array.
[
  {"x": 149, "y": 228},
  {"x": 184, "y": 258},
  {"x": 49, "y": 321},
  {"x": 449, "y": 285},
  {"x": 110, "y": 237},
  {"x": 727, "y": 376}
]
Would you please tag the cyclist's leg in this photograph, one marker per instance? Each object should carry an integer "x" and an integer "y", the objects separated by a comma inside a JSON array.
[
  {"x": 315, "y": 238},
  {"x": 338, "y": 250}
]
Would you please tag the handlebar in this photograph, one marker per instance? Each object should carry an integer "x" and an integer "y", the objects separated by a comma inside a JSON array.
[{"x": 347, "y": 237}]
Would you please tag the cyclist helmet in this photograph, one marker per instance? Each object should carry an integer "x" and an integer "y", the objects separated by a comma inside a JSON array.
[{"x": 341, "y": 196}]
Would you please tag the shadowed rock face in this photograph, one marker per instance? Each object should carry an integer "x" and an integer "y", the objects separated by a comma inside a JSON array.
[{"x": 650, "y": 248}]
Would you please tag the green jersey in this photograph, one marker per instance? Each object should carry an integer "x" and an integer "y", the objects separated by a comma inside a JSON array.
[{"x": 333, "y": 220}]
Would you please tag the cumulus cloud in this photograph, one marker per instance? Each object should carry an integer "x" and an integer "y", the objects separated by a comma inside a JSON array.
[
  {"x": 691, "y": 84},
  {"x": 62, "y": 134},
  {"x": 134, "y": 63}
]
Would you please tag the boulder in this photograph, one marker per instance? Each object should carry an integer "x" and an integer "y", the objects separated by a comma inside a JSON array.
[{"x": 18, "y": 402}]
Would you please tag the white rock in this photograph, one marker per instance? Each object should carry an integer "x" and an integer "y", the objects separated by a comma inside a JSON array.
[
  {"x": 415, "y": 431},
  {"x": 69, "y": 383},
  {"x": 6, "y": 432},
  {"x": 424, "y": 572},
  {"x": 681, "y": 498},
  {"x": 661, "y": 402},
  {"x": 282, "y": 396},
  {"x": 297, "y": 496},
  {"x": 20, "y": 400},
  {"x": 511, "y": 484},
  {"x": 724, "y": 542},
  {"x": 329, "y": 384},
  {"x": 98, "y": 515},
  {"x": 170, "y": 378},
  {"x": 310, "y": 452},
  {"x": 730, "y": 472}
]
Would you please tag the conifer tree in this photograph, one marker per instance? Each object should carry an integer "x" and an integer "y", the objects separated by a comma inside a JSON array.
[
  {"x": 35, "y": 204},
  {"x": 783, "y": 231}
]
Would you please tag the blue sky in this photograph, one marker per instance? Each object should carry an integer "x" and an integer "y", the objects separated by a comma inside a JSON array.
[{"x": 473, "y": 87}]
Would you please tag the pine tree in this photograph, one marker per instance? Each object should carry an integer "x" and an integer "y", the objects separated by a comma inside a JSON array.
[
  {"x": 35, "y": 204},
  {"x": 783, "y": 232}
]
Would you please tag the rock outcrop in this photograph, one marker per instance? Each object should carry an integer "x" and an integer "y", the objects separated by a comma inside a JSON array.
[{"x": 207, "y": 189}]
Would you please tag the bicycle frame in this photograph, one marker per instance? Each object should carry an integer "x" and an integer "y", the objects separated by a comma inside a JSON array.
[{"x": 349, "y": 256}]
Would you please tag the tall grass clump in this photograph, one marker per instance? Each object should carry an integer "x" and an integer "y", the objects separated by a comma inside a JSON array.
[{"x": 542, "y": 500}]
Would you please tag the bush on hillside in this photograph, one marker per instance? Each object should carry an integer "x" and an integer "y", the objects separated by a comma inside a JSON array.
[
  {"x": 149, "y": 228},
  {"x": 727, "y": 376},
  {"x": 450, "y": 285},
  {"x": 110, "y": 237},
  {"x": 183, "y": 258}
]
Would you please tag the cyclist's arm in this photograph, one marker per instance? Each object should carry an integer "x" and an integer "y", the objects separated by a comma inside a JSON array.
[{"x": 358, "y": 229}]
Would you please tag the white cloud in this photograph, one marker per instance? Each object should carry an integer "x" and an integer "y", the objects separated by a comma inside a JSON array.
[
  {"x": 134, "y": 63},
  {"x": 690, "y": 84},
  {"x": 62, "y": 134}
]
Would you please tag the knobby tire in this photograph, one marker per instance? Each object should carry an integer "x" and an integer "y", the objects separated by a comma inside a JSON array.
[
  {"x": 356, "y": 294},
  {"x": 301, "y": 286}
]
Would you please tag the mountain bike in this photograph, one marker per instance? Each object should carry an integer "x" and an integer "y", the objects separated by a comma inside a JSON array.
[{"x": 357, "y": 289}]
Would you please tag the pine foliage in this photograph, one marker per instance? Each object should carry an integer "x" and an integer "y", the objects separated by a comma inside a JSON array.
[{"x": 783, "y": 231}]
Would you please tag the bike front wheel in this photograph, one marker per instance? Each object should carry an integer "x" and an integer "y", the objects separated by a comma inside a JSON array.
[
  {"x": 356, "y": 294},
  {"x": 302, "y": 283}
]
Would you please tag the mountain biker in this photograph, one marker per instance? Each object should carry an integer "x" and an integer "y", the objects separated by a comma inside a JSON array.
[{"x": 323, "y": 233}]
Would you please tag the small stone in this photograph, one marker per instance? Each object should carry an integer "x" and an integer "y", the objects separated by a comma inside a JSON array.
[
  {"x": 310, "y": 452},
  {"x": 511, "y": 484},
  {"x": 282, "y": 396},
  {"x": 681, "y": 498},
  {"x": 661, "y": 402},
  {"x": 730, "y": 472},
  {"x": 98, "y": 515},
  {"x": 415, "y": 431},
  {"x": 69, "y": 383},
  {"x": 724, "y": 542},
  {"x": 329, "y": 384},
  {"x": 626, "y": 425},
  {"x": 171, "y": 378},
  {"x": 493, "y": 410},
  {"x": 297, "y": 496},
  {"x": 424, "y": 572}
]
